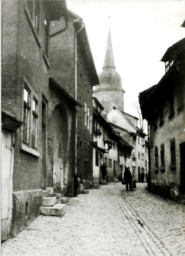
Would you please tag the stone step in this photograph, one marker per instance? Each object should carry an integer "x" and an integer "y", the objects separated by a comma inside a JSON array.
[
  {"x": 84, "y": 191},
  {"x": 49, "y": 201},
  {"x": 56, "y": 210},
  {"x": 63, "y": 200},
  {"x": 57, "y": 195}
]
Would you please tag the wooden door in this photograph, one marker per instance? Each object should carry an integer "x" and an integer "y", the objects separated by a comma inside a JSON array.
[{"x": 7, "y": 182}]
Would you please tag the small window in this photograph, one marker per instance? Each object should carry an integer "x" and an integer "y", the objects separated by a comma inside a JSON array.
[
  {"x": 85, "y": 114},
  {"x": 46, "y": 35},
  {"x": 97, "y": 158},
  {"x": 26, "y": 115},
  {"x": 34, "y": 123},
  {"x": 162, "y": 156},
  {"x": 156, "y": 158},
  {"x": 88, "y": 119},
  {"x": 33, "y": 7},
  {"x": 172, "y": 154},
  {"x": 30, "y": 117}
]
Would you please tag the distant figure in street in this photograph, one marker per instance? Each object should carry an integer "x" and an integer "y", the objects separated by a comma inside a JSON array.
[
  {"x": 128, "y": 178},
  {"x": 104, "y": 171}
]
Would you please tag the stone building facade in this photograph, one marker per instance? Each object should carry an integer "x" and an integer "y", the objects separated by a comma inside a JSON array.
[
  {"x": 126, "y": 125},
  {"x": 163, "y": 106},
  {"x": 79, "y": 70},
  {"x": 108, "y": 146},
  {"x": 40, "y": 128}
]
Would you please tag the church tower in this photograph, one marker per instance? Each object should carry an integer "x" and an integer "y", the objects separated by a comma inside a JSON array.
[{"x": 110, "y": 92}]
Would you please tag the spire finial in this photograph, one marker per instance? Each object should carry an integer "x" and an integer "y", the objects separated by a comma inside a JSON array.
[{"x": 109, "y": 57}]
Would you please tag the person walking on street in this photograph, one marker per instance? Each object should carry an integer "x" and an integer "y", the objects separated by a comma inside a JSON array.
[
  {"x": 104, "y": 171},
  {"x": 128, "y": 178}
]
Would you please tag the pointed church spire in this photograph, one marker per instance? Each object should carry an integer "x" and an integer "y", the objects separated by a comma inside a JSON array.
[{"x": 109, "y": 57}]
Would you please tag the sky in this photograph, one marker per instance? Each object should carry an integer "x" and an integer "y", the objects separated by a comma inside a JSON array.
[{"x": 141, "y": 32}]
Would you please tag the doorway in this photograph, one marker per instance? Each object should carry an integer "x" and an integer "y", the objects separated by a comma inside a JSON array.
[
  {"x": 182, "y": 167},
  {"x": 7, "y": 182}
]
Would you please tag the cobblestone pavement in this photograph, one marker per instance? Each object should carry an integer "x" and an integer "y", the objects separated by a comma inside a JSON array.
[{"x": 106, "y": 222}]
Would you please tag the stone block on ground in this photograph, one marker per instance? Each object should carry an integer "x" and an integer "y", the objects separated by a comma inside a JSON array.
[
  {"x": 49, "y": 201},
  {"x": 56, "y": 210}
]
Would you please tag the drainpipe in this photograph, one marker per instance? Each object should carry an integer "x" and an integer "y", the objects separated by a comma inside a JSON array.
[{"x": 76, "y": 84}]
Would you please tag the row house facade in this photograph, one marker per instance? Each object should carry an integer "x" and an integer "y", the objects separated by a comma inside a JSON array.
[
  {"x": 126, "y": 125},
  {"x": 108, "y": 146},
  {"x": 43, "y": 110},
  {"x": 163, "y": 106}
]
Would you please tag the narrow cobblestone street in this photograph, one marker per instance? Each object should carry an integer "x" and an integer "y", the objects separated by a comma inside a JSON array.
[{"x": 107, "y": 222}]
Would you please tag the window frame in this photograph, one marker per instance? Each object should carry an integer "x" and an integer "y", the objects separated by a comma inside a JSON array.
[
  {"x": 172, "y": 154},
  {"x": 32, "y": 114},
  {"x": 33, "y": 9}
]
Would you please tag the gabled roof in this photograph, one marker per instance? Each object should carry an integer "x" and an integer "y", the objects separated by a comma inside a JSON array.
[
  {"x": 130, "y": 118},
  {"x": 174, "y": 51},
  {"x": 147, "y": 98},
  {"x": 98, "y": 103},
  {"x": 63, "y": 93}
]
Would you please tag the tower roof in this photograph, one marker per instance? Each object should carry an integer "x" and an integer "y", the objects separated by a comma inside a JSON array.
[{"x": 109, "y": 57}]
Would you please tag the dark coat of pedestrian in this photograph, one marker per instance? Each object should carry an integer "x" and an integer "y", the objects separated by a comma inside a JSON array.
[
  {"x": 104, "y": 171},
  {"x": 128, "y": 178}
]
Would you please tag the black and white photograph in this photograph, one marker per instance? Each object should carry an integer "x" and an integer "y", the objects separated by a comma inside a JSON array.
[{"x": 92, "y": 128}]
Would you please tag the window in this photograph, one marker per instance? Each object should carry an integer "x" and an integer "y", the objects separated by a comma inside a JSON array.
[
  {"x": 46, "y": 35},
  {"x": 26, "y": 115},
  {"x": 90, "y": 124},
  {"x": 97, "y": 158},
  {"x": 33, "y": 7},
  {"x": 34, "y": 123},
  {"x": 156, "y": 158},
  {"x": 88, "y": 118},
  {"x": 85, "y": 114},
  {"x": 172, "y": 153},
  {"x": 30, "y": 117},
  {"x": 162, "y": 156}
]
